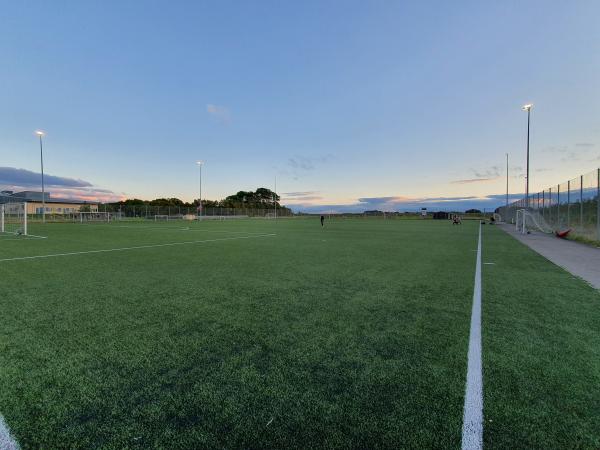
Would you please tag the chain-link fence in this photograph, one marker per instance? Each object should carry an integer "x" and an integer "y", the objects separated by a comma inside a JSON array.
[
  {"x": 574, "y": 205},
  {"x": 174, "y": 212}
]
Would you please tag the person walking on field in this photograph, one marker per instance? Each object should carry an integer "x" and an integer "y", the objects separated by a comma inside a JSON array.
[{"x": 322, "y": 220}]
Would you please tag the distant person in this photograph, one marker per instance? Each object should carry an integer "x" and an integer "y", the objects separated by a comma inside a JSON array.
[
  {"x": 322, "y": 220},
  {"x": 456, "y": 220}
]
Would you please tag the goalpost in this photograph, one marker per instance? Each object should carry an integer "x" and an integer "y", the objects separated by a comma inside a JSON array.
[
  {"x": 527, "y": 220},
  {"x": 13, "y": 218}
]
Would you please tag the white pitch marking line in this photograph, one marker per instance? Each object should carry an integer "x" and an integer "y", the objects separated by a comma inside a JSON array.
[
  {"x": 472, "y": 431},
  {"x": 7, "y": 442},
  {"x": 157, "y": 228},
  {"x": 21, "y": 238},
  {"x": 122, "y": 249}
]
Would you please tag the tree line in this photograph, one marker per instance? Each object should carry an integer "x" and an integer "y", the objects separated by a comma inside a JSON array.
[{"x": 262, "y": 198}]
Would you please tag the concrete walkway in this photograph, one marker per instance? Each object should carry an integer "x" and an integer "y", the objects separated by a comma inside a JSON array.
[{"x": 580, "y": 260}]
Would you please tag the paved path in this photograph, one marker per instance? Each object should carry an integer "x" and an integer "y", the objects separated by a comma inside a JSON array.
[{"x": 581, "y": 260}]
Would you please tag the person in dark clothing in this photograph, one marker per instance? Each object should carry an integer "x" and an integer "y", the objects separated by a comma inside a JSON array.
[{"x": 322, "y": 220}]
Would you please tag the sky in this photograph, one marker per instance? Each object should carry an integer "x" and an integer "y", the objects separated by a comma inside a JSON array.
[{"x": 350, "y": 105}]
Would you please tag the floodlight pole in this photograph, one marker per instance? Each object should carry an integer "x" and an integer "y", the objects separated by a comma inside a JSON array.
[
  {"x": 275, "y": 198},
  {"x": 40, "y": 134},
  {"x": 200, "y": 186},
  {"x": 528, "y": 109},
  {"x": 506, "y": 180}
]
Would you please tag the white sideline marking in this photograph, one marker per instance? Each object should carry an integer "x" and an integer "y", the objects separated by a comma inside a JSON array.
[
  {"x": 472, "y": 431},
  {"x": 122, "y": 249},
  {"x": 7, "y": 442}
]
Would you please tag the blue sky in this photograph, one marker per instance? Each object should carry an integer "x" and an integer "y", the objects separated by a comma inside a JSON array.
[{"x": 394, "y": 103}]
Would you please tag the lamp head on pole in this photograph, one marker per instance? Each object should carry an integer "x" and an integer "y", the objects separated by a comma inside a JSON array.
[
  {"x": 40, "y": 133},
  {"x": 527, "y": 107},
  {"x": 199, "y": 162}
]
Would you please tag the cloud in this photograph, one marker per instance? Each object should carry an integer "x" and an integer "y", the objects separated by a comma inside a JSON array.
[
  {"x": 299, "y": 197},
  {"x": 301, "y": 200},
  {"x": 377, "y": 200},
  {"x": 299, "y": 194},
  {"x": 571, "y": 156},
  {"x": 511, "y": 197},
  {"x": 555, "y": 149},
  {"x": 473, "y": 180},
  {"x": 491, "y": 172},
  {"x": 399, "y": 203},
  {"x": 221, "y": 113},
  {"x": 301, "y": 165},
  {"x": 22, "y": 177},
  {"x": 585, "y": 144},
  {"x": 13, "y": 179},
  {"x": 481, "y": 176}
]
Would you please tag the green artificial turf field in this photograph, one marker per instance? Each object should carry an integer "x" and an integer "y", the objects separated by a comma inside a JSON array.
[{"x": 283, "y": 334}]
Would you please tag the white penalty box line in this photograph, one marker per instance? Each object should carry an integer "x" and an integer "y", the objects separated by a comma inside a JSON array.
[{"x": 137, "y": 247}]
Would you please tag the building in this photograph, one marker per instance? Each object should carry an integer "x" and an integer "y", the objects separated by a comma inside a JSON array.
[{"x": 53, "y": 205}]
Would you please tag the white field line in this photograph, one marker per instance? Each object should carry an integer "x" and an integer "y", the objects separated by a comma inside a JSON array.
[
  {"x": 138, "y": 247},
  {"x": 178, "y": 228},
  {"x": 472, "y": 431},
  {"x": 7, "y": 442},
  {"x": 11, "y": 237}
]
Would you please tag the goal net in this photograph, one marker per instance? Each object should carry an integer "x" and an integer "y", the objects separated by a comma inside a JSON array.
[
  {"x": 13, "y": 218},
  {"x": 527, "y": 220},
  {"x": 164, "y": 217},
  {"x": 86, "y": 216}
]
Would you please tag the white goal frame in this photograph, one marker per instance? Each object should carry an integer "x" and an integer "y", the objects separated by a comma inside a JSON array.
[
  {"x": 78, "y": 216},
  {"x": 526, "y": 219},
  {"x": 3, "y": 218}
]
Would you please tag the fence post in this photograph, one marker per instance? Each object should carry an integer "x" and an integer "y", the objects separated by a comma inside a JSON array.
[
  {"x": 581, "y": 201},
  {"x": 598, "y": 204},
  {"x": 25, "y": 218},
  {"x": 543, "y": 204},
  {"x": 558, "y": 205},
  {"x": 568, "y": 203},
  {"x": 549, "y": 203}
]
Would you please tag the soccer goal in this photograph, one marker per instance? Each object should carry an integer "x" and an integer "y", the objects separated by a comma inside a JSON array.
[
  {"x": 87, "y": 216},
  {"x": 166, "y": 218},
  {"x": 13, "y": 218},
  {"x": 531, "y": 220}
]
